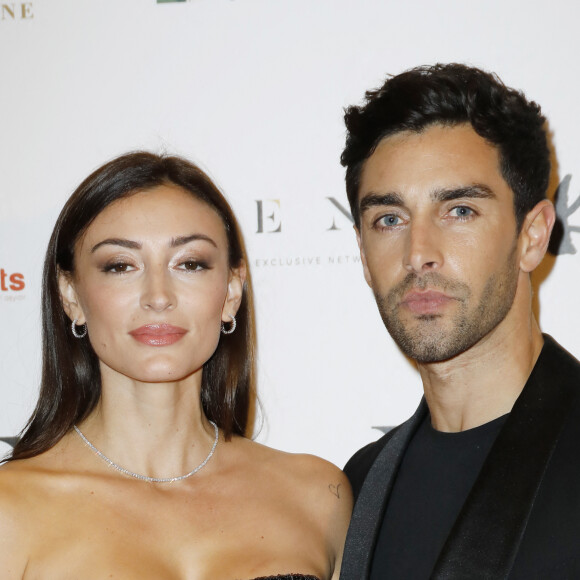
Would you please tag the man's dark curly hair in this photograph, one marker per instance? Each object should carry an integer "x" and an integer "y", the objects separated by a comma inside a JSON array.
[{"x": 450, "y": 94}]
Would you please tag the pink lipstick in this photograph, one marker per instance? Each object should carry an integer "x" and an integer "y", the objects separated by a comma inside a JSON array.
[{"x": 158, "y": 334}]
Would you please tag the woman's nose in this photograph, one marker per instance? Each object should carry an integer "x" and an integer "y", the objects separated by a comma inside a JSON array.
[{"x": 158, "y": 294}]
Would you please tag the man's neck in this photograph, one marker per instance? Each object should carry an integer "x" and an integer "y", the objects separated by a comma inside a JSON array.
[{"x": 483, "y": 382}]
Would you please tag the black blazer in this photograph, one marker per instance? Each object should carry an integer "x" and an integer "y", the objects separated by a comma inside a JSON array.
[{"x": 521, "y": 519}]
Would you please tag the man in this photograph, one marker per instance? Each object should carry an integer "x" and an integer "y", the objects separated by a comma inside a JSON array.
[{"x": 447, "y": 171}]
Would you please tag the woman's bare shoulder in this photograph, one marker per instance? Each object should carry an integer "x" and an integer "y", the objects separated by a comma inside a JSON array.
[
  {"x": 18, "y": 488},
  {"x": 321, "y": 490},
  {"x": 14, "y": 479},
  {"x": 323, "y": 486},
  {"x": 309, "y": 468}
]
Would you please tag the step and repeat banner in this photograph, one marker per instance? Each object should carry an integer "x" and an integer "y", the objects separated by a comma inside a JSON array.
[{"x": 254, "y": 91}]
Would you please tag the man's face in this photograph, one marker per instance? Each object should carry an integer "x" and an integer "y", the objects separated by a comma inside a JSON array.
[{"x": 438, "y": 239}]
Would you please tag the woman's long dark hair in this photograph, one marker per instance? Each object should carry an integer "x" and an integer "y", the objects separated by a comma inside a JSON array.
[{"x": 71, "y": 379}]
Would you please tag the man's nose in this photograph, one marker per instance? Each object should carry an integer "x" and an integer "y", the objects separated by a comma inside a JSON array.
[{"x": 423, "y": 246}]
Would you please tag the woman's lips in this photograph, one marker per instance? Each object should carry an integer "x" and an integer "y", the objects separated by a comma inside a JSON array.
[
  {"x": 158, "y": 334},
  {"x": 425, "y": 303}
]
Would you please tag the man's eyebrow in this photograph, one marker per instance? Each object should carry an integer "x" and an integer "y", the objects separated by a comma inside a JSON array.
[
  {"x": 378, "y": 199},
  {"x": 475, "y": 191},
  {"x": 182, "y": 240},
  {"x": 117, "y": 242},
  {"x": 132, "y": 245}
]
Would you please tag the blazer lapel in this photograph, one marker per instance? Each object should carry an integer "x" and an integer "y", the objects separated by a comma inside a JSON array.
[
  {"x": 368, "y": 511},
  {"x": 486, "y": 537}
]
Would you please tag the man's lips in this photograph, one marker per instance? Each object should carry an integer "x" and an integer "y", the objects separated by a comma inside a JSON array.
[
  {"x": 158, "y": 334},
  {"x": 429, "y": 302}
]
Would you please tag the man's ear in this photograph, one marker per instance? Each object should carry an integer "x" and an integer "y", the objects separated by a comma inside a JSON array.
[
  {"x": 69, "y": 298},
  {"x": 363, "y": 257},
  {"x": 235, "y": 292},
  {"x": 535, "y": 235}
]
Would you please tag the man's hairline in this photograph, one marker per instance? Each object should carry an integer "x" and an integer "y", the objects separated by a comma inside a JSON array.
[{"x": 419, "y": 131}]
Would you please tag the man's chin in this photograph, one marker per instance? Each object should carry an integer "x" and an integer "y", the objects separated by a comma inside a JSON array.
[{"x": 427, "y": 347}]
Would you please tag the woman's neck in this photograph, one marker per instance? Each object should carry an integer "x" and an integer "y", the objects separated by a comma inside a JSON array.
[{"x": 154, "y": 429}]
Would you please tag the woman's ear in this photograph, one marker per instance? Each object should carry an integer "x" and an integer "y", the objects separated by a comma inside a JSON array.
[
  {"x": 535, "y": 235},
  {"x": 235, "y": 292},
  {"x": 69, "y": 298}
]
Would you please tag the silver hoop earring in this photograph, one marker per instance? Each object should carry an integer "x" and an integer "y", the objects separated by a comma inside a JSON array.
[
  {"x": 77, "y": 334},
  {"x": 231, "y": 328}
]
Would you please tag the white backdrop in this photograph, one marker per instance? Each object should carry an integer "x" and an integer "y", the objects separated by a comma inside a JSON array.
[{"x": 253, "y": 90}]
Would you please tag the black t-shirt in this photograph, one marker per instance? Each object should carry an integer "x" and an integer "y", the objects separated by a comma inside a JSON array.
[{"x": 434, "y": 479}]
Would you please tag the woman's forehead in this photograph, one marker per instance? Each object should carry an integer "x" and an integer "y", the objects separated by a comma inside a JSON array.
[{"x": 162, "y": 212}]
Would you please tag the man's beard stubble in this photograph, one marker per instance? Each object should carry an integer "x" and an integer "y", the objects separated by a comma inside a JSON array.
[{"x": 424, "y": 339}]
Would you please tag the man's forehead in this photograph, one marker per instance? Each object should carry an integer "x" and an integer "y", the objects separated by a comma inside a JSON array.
[{"x": 434, "y": 162}]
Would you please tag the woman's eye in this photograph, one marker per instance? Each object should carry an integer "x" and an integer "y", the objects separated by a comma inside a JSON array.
[
  {"x": 192, "y": 265},
  {"x": 461, "y": 211},
  {"x": 118, "y": 268}
]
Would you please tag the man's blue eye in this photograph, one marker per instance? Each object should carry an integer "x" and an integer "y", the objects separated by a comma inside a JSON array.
[
  {"x": 389, "y": 220},
  {"x": 462, "y": 211}
]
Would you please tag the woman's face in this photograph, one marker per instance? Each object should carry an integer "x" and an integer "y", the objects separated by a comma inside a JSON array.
[{"x": 153, "y": 284}]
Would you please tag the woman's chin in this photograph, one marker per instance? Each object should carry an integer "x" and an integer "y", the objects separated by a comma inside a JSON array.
[{"x": 151, "y": 372}]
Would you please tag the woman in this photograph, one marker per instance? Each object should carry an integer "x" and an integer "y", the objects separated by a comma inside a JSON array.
[{"x": 134, "y": 464}]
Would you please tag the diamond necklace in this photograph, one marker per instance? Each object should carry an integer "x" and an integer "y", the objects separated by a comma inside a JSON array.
[{"x": 146, "y": 477}]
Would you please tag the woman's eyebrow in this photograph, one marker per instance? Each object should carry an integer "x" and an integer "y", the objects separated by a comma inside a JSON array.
[
  {"x": 182, "y": 240},
  {"x": 117, "y": 242},
  {"x": 175, "y": 242}
]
